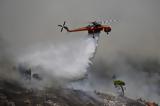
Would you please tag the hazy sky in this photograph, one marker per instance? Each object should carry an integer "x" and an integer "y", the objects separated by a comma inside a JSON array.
[{"x": 26, "y": 22}]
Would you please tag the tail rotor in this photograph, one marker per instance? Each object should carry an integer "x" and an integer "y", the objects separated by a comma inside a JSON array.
[{"x": 62, "y": 26}]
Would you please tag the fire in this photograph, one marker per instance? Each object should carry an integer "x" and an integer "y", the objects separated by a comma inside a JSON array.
[{"x": 151, "y": 104}]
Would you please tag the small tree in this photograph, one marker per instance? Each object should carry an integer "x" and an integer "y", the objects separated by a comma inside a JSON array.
[{"x": 121, "y": 84}]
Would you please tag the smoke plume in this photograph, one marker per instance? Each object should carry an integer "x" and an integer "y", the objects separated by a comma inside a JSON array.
[{"x": 69, "y": 61}]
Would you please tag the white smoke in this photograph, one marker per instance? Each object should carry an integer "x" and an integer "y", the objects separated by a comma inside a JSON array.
[{"x": 68, "y": 61}]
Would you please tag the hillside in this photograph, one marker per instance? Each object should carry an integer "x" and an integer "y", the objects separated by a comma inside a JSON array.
[{"x": 11, "y": 94}]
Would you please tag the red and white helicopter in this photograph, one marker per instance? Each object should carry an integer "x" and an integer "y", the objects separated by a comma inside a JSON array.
[{"x": 93, "y": 28}]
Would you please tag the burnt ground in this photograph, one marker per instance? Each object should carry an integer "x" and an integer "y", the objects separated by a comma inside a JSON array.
[{"x": 12, "y": 94}]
